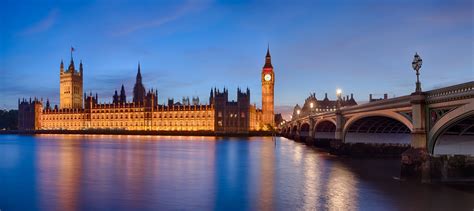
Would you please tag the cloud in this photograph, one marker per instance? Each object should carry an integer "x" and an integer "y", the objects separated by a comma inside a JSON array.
[
  {"x": 188, "y": 7},
  {"x": 285, "y": 111},
  {"x": 42, "y": 25}
]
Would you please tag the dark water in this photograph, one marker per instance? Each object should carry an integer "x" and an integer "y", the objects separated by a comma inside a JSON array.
[{"x": 75, "y": 172}]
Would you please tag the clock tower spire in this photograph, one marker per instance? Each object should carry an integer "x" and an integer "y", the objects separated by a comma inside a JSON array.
[{"x": 268, "y": 84}]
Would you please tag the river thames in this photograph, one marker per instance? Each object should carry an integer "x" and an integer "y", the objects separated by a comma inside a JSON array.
[{"x": 112, "y": 172}]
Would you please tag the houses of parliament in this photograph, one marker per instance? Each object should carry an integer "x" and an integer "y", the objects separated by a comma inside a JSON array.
[{"x": 83, "y": 111}]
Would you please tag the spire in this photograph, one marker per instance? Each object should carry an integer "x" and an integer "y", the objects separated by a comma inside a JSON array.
[
  {"x": 268, "y": 59},
  {"x": 139, "y": 73},
  {"x": 139, "y": 90},
  {"x": 268, "y": 50}
]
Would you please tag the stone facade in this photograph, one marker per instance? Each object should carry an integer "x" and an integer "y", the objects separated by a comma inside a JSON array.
[{"x": 144, "y": 112}]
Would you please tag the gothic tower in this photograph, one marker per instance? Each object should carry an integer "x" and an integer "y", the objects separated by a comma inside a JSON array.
[
  {"x": 138, "y": 89},
  {"x": 268, "y": 83},
  {"x": 70, "y": 86}
]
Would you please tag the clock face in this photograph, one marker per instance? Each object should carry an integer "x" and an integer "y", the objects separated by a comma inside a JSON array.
[{"x": 267, "y": 77}]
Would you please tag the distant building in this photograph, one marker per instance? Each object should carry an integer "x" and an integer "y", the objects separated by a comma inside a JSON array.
[
  {"x": 81, "y": 112},
  {"x": 371, "y": 99},
  {"x": 313, "y": 106}
]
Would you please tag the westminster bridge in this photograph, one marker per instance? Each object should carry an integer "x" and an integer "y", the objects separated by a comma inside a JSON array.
[{"x": 433, "y": 128}]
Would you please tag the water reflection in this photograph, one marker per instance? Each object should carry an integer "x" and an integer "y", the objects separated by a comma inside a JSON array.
[
  {"x": 266, "y": 170},
  {"x": 70, "y": 172},
  {"x": 342, "y": 189},
  {"x": 59, "y": 173}
]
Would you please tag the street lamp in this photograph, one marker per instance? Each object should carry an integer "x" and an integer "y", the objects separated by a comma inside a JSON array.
[
  {"x": 338, "y": 101},
  {"x": 338, "y": 93},
  {"x": 311, "y": 105},
  {"x": 416, "y": 64},
  {"x": 298, "y": 112}
]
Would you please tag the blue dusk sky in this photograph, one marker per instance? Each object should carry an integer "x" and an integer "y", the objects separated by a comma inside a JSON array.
[{"x": 185, "y": 47}]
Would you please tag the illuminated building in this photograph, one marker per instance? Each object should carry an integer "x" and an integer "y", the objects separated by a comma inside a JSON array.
[
  {"x": 268, "y": 94},
  {"x": 144, "y": 112},
  {"x": 314, "y": 106}
]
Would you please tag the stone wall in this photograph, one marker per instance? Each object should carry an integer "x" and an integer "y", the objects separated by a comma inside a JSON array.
[
  {"x": 381, "y": 150},
  {"x": 452, "y": 168}
]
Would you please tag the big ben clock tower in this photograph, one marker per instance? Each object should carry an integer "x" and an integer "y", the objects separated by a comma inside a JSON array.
[{"x": 268, "y": 84}]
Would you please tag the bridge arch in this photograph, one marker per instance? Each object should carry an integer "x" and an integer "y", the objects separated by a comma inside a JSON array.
[
  {"x": 454, "y": 132},
  {"x": 325, "y": 129},
  {"x": 389, "y": 114},
  {"x": 378, "y": 127},
  {"x": 294, "y": 130},
  {"x": 304, "y": 129}
]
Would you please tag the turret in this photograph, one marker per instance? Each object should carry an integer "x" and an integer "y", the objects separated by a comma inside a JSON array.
[
  {"x": 71, "y": 67},
  {"x": 48, "y": 106},
  {"x": 61, "y": 67},
  {"x": 115, "y": 97},
  {"x": 211, "y": 97},
  {"x": 123, "y": 97},
  {"x": 80, "y": 68}
]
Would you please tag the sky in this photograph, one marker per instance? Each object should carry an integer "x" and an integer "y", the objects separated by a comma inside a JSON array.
[{"x": 185, "y": 47}]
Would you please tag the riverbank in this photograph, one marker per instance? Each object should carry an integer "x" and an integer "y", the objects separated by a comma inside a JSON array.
[{"x": 138, "y": 132}]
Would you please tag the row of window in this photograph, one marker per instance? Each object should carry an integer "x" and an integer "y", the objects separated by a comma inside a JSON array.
[
  {"x": 117, "y": 124},
  {"x": 131, "y": 110},
  {"x": 231, "y": 115},
  {"x": 126, "y": 116}
]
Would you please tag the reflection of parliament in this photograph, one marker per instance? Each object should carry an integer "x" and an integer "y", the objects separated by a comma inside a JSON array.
[{"x": 81, "y": 111}]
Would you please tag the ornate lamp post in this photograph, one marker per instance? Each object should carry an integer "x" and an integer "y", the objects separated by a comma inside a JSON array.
[{"x": 416, "y": 64}]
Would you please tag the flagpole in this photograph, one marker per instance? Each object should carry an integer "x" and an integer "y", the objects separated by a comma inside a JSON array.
[{"x": 71, "y": 52}]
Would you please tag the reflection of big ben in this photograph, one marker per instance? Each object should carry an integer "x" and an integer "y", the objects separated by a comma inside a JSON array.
[{"x": 268, "y": 83}]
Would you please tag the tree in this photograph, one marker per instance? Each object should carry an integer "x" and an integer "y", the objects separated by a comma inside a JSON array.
[{"x": 8, "y": 119}]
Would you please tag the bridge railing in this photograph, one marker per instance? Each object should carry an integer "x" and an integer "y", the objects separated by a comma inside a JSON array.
[{"x": 456, "y": 92}]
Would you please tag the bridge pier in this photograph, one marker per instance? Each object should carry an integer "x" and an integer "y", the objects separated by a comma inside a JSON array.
[
  {"x": 415, "y": 162},
  {"x": 337, "y": 143}
]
